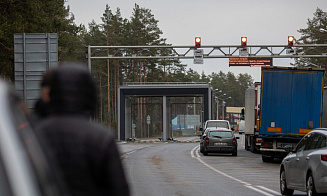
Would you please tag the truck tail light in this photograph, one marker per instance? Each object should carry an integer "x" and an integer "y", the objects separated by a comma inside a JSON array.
[
  {"x": 206, "y": 140},
  {"x": 324, "y": 157},
  {"x": 266, "y": 144}
]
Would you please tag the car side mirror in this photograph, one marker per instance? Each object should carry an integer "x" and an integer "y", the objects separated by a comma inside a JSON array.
[
  {"x": 201, "y": 136},
  {"x": 232, "y": 129},
  {"x": 288, "y": 148}
]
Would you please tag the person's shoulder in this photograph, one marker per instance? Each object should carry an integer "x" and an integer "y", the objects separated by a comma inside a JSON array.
[{"x": 100, "y": 128}]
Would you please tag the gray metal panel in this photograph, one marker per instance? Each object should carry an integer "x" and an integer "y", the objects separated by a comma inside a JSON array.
[{"x": 34, "y": 54}]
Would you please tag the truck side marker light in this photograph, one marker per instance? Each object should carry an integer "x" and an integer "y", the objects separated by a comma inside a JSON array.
[
  {"x": 304, "y": 131},
  {"x": 274, "y": 129}
]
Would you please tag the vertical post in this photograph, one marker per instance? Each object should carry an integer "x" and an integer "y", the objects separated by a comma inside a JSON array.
[
  {"x": 49, "y": 52},
  {"x": 194, "y": 105},
  {"x": 24, "y": 67},
  {"x": 164, "y": 118},
  {"x": 223, "y": 111},
  {"x": 217, "y": 108},
  {"x": 89, "y": 57},
  {"x": 148, "y": 132},
  {"x": 128, "y": 119}
]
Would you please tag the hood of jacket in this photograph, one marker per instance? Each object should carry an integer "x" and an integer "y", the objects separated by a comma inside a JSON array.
[{"x": 72, "y": 91}]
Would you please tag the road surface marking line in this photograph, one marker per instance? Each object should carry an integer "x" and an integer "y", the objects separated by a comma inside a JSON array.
[
  {"x": 268, "y": 190},
  {"x": 195, "y": 150},
  {"x": 260, "y": 191},
  {"x": 130, "y": 152},
  {"x": 192, "y": 151}
]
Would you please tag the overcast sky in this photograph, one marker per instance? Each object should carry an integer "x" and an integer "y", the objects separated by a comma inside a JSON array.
[{"x": 218, "y": 22}]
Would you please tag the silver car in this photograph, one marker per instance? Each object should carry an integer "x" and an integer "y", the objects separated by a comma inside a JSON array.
[
  {"x": 218, "y": 140},
  {"x": 305, "y": 167},
  {"x": 24, "y": 166}
]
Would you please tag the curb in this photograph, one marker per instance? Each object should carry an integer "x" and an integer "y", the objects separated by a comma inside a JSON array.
[{"x": 169, "y": 141}]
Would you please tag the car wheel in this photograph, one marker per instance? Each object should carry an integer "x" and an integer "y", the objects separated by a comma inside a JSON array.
[
  {"x": 311, "y": 190},
  {"x": 201, "y": 149},
  {"x": 282, "y": 184},
  {"x": 234, "y": 153},
  {"x": 267, "y": 159},
  {"x": 205, "y": 153}
]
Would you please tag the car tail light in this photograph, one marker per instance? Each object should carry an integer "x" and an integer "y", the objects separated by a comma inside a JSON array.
[
  {"x": 206, "y": 140},
  {"x": 266, "y": 144},
  {"x": 234, "y": 140},
  {"x": 259, "y": 141},
  {"x": 324, "y": 157}
]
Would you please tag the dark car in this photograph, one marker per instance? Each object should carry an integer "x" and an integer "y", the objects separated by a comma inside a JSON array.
[
  {"x": 218, "y": 140},
  {"x": 305, "y": 167},
  {"x": 24, "y": 167}
]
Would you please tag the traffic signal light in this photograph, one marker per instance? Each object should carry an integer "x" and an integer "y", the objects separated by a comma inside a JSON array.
[
  {"x": 243, "y": 41},
  {"x": 198, "y": 42},
  {"x": 290, "y": 40}
]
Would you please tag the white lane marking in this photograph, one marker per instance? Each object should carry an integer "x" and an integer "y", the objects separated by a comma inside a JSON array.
[
  {"x": 258, "y": 190},
  {"x": 264, "y": 191},
  {"x": 192, "y": 151},
  {"x": 130, "y": 152},
  {"x": 269, "y": 190}
]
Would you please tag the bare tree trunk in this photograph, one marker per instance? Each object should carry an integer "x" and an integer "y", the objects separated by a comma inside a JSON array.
[
  {"x": 108, "y": 72},
  {"x": 116, "y": 86},
  {"x": 133, "y": 64},
  {"x": 144, "y": 100},
  {"x": 112, "y": 78}
]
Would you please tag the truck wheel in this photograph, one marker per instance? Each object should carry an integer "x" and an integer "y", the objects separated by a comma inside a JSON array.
[
  {"x": 253, "y": 149},
  {"x": 246, "y": 143}
]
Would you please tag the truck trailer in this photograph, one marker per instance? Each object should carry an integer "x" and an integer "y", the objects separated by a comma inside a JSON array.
[{"x": 291, "y": 106}]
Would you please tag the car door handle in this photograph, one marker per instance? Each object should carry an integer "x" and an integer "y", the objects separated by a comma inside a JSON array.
[{"x": 297, "y": 159}]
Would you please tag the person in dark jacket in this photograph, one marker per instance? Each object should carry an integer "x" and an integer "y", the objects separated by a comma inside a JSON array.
[
  {"x": 85, "y": 151},
  {"x": 40, "y": 108}
]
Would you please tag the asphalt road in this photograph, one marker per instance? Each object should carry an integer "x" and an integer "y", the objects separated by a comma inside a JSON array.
[{"x": 161, "y": 169}]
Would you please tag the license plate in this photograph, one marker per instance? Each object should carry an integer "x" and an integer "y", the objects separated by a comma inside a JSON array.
[{"x": 220, "y": 144}]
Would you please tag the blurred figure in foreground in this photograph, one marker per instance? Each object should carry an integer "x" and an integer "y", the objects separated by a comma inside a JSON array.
[
  {"x": 40, "y": 107},
  {"x": 86, "y": 152}
]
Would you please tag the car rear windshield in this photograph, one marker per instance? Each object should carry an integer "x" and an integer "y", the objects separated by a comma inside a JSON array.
[
  {"x": 221, "y": 134},
  {"x": 217, "y": 124}
]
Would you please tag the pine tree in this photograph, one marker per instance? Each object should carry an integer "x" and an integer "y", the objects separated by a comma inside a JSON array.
[{"x": 315, "y": 33}]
